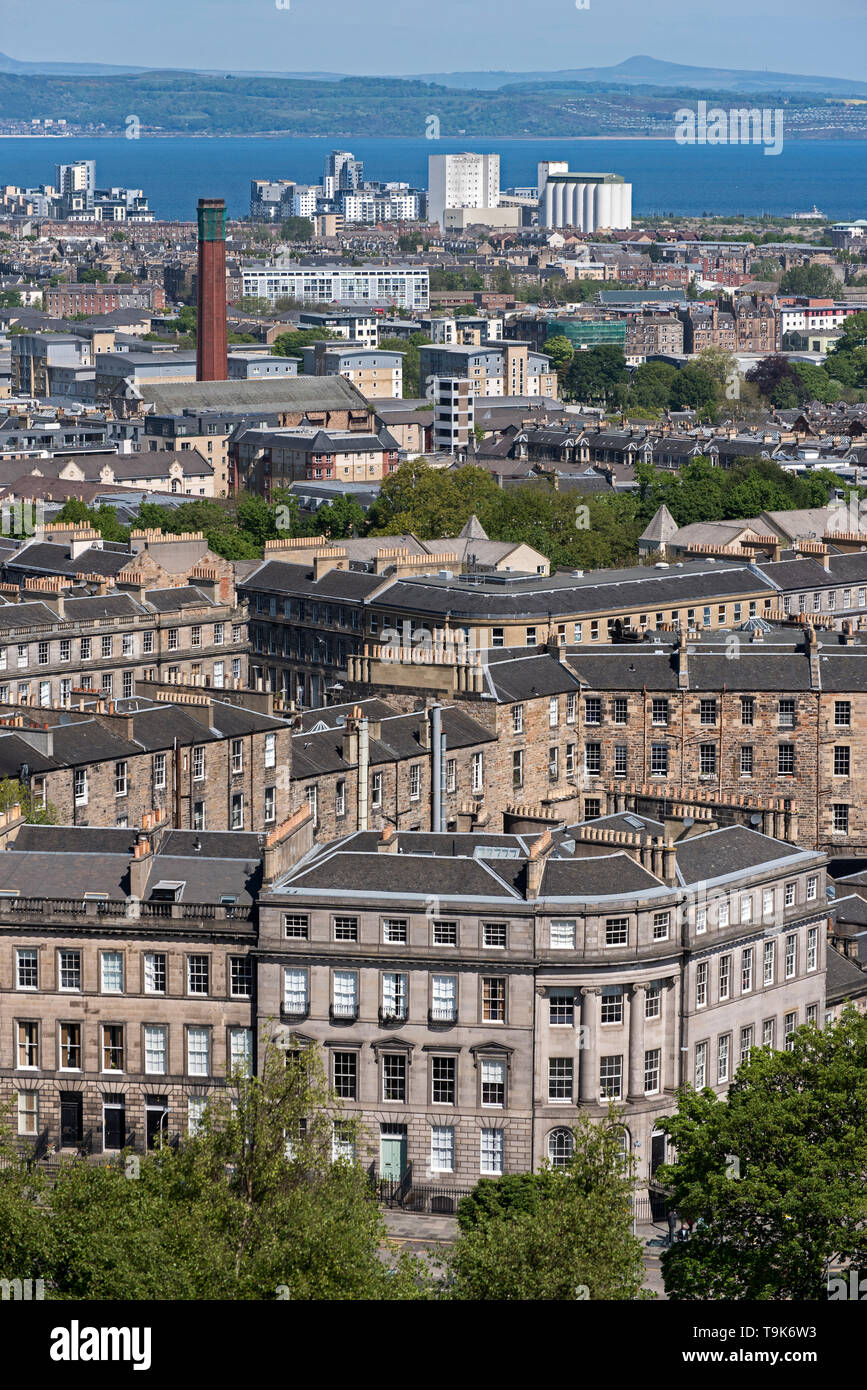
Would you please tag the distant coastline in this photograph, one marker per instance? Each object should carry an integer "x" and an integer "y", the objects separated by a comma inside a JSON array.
[{"x": 800, "y": 139}]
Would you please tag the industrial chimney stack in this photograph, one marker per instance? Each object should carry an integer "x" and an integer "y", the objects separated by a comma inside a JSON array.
[{"x": 211, "y": 348}]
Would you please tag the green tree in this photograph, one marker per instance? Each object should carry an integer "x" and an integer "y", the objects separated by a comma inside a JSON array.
[
  {"x": 560, "y": 1234},
  {"x": 560, "y": 350},
  {"x": 818, "y": 281},
  {"x": 594, "y": 375},
  {"x": 123, "y": 277},
  {"x": 253, "y": 304},
  {"x": 774, "y": 1172},
  {"x": 694, "y": 388},
  {"x": 93, "y": 277},
  {"x": 103, "y": 519},
  {"x": 430, "y": 501},
  {"x": 290, "y": 344},
  {"x": 296, "y": 229},
  {"x": 14, "y": 793},
  {"x": 341, "y": 518},
  {"x": 252, "y": 1207}
]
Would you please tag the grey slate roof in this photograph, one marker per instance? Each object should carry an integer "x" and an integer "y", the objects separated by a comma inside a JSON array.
[
  {"x": 727, "y": 851},
  {"x": 844, "y": 979},
  {"x": 287, "y": 393}
]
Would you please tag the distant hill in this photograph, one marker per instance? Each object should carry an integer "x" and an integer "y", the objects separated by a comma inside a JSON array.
[
  {"x": 179, "y": 102},
  {"x": 640, "y": 71},
  {"x": 40, "y": 69},
  {"x": 655, "y": 72}
]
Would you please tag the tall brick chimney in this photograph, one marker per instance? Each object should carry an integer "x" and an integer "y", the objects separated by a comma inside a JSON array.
[{"x": 211, "y": 362}]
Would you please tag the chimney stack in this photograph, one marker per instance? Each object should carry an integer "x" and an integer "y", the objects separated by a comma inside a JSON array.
[{"x": 211, "y": 346}]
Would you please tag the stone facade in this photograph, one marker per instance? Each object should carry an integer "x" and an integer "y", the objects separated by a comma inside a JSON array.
[{"x": 452, "y": 1016}]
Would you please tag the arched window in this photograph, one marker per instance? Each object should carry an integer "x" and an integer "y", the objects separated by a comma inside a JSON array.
[
  {"x": 625, "y": 1141},
  {"x": 561, "y": 1146}
]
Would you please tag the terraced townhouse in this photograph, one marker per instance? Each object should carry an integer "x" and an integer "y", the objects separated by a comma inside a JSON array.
[
  {"x": 83, "y": 615},
  {"x": 472, "y": 992}
]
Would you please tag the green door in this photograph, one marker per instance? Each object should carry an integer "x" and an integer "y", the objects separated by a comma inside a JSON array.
[{"x": 393, "y": 1156}]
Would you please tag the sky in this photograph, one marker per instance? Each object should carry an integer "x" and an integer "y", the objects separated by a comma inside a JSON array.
[{"x": 398, "y": 37}]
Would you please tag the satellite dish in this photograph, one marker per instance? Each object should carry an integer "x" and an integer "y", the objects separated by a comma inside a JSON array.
[
  {"x": 340, "y": 721},
  {"x": 755, "y": 818}
]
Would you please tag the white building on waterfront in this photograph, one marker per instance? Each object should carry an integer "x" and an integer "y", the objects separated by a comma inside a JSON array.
[{"x": 587, "y": 202}]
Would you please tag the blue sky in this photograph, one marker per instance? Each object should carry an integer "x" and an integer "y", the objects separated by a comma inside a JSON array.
[{"x": 406, "y": 36}]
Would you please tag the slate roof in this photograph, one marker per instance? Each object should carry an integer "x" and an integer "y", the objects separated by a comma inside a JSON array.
[
  {"x": 47, "y": 557},
  {"x": 403, "y": 874},
  {"x": 596, "y": 876},
  {"x": 844, "y": 979},
  {"x": 316, "y": 754},
  {"x": 277, "y": 576},
  {"x": 286, "y": 393},
  {"x": 733, "y": 849},
  {"x": 169, "y": 600},
  {"x": 562, "y": 593},
  {"x": 525, "y": 678}
]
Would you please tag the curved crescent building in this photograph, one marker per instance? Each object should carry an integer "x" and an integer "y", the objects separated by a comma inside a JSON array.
[{"x": 587, "y": 202}]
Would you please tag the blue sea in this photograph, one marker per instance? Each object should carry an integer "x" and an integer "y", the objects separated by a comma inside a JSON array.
[{"x": 666, "y": 177}]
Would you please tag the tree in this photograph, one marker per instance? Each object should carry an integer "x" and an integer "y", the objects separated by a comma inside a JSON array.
[
  {"x": 595, "y": 374},
  {"x": 553, "y": 1235},
  {"x": 429, "y": 501},
  {"x": 290, "y": 344},
  {"x": 10, "y": 299},
  {"x": 693, "y": 389},
  {"x": 254, "y": 1206},
  {"x": 252, "y": 304},
  {"x": 93, "y": 277},
  {"x": 296, "y": 229},
  {"x": 102, "y": 519},
  {"x": 14, "y": 793},
  {"x": 718, "y": 363},
  {"x": 560, "y": 350},
  {"x": 774, "y": 1172},
  {"x": 770, "y": 372},
  {"x": 818, "y": 281},
  {"x": 341, "y": 518},
  {"x": 123, "y": 277}
]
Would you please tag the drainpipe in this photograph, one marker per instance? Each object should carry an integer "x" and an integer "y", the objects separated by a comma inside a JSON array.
[
  {"x": 442, "y": 824},
  {"x": 436, "y": 779},
  {"x": 363, "y": 771}
]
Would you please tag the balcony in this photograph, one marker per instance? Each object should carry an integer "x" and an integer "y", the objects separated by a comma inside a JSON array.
[
  {"x": 392, "y": 1016},
  {"x": 442, "y": 1016},
  {"x": 291, "y": 1013},
  {"x": 343, "y": 1013}
]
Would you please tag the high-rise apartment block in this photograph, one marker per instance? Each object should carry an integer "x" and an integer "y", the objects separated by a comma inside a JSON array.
[{"x": 462, "y": 181}]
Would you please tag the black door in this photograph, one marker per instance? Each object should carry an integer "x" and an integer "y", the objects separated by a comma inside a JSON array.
[
  {"x": 71, "y": 1119},
  {"x": 114, "y": 1117},
  {"x": 657, "y": 1152},
  {"x": 156, "y": 1120},
  {"x": 658, "y": 1200}
]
